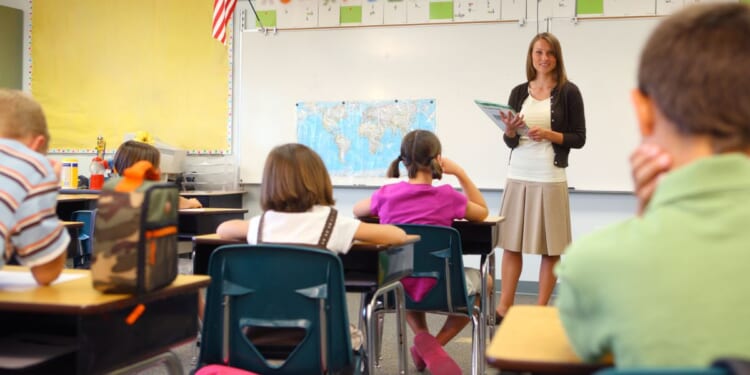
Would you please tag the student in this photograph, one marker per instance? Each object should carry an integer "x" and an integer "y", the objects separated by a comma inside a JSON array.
[
  {"x": 667, "y": 289},
  {"x": 297, "y": 198},
  {"x": 133, "y": 151},
  {"x": 297, "y": 202},
  {"x": 416, "y": 201},
  {"x": 30, "y": 231}
]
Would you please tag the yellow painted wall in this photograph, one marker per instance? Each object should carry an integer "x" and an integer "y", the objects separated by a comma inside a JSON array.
[{"x": 118, "y": 66}]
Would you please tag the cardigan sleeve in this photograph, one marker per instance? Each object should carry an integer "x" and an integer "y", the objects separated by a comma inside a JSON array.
[{"x": 575, "y": 134}]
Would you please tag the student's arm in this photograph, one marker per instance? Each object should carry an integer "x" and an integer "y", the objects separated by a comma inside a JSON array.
[
  {"x": 46, "y": 273},
  {"x": 380, "y": 233},
  {"x": 362, "y": 208},
  {"x": 476, "y": 207},
  {"x": 233, "y": 230}
]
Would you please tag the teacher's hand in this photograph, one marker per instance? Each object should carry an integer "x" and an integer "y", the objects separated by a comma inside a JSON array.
[
  {"x": 648, "y": 164},
  {"x": 538, "y": 134},
  {"x": 512, "y": 122}
]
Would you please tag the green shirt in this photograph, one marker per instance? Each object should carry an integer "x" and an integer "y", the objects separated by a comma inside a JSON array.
[{"x": 669, "y": 288}]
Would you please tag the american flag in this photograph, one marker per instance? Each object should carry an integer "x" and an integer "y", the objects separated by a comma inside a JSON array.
[{"x": 223, "y": 10}]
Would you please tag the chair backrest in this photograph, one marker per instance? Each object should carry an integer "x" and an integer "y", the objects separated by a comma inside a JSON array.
[
  {"x": 276, "y": 302},
  {"x": 438, "y": 255},
  {"x": 88, "y": 218}
]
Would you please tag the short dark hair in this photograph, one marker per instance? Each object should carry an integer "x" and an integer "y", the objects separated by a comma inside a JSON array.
[
  {"x": 132, "y": 152},
  {"x": 560, "y": 74},
  {"x": 419, "y": 149},
  {"x": 694, "y": 67},
  {"x": 294, "y": 180}
]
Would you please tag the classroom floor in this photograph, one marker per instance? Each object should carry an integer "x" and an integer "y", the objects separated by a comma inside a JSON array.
[{"x": 459, "y": 348}]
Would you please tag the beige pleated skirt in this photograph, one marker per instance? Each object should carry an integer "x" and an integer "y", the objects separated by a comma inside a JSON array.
[{"x": 537, "y": 217}]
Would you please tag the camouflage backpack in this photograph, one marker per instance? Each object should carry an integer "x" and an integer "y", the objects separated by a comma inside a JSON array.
[{"x": 135, "y": 236}]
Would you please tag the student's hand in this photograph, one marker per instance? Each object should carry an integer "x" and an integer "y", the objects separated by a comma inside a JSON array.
[
  {"x": 648, "y": 164},
  {"x": 512, "y": 122},
  {"x": 450, "y": 167},
  {"x": 56, "y": 166},
  {"x": 191, "y": 203},
  {"x": 538, "y": 134}
]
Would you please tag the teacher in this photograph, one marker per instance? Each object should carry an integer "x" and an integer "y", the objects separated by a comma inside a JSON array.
[{"x": 548, "y": 122}]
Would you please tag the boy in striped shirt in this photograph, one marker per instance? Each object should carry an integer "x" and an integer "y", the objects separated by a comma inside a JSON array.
[{"x": 30, "y": 230}]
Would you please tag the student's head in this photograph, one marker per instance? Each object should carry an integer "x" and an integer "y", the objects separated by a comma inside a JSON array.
[
  {"x": 419, "y": 151},
  {"x": 542, "y": 43},
  {"x": 693, "y": 74},
  {"x": 131, "y": 152},
  {"x": 22, "y": 119},
  {"x": 294, "y": 180}
]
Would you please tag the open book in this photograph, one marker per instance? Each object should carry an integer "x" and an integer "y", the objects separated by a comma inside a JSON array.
[{"x": 493, "y": 111}]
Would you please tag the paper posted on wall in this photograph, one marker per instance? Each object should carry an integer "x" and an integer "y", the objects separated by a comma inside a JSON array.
[{"x": 492, "y": 110}]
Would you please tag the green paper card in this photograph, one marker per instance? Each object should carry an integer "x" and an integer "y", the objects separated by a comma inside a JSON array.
[
  {"x": 268, "y": 17},
  {"x": 590, "y": 7},
  {"x": 351, "y": 14},
  {"x": 441, "y": 10}
]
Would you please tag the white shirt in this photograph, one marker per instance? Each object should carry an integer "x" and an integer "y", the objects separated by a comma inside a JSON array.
[
  {"x": 531, "y": 160},
  {"x": 304, "y": 228}
]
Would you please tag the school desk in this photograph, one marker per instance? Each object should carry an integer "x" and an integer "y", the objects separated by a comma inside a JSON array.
[
  {"x": 228, "y": 199},
  {"x": 532, "y": 339},
  {"x": 364, "y": 264},
  {"x": 197, "y": 221},
  {"x": 95, "y": 323},
  {"x": 67, "y": 203}
]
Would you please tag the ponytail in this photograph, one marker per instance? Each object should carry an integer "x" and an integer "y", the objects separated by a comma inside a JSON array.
[
  {"x": 437, "y": 170},
  {"x": 393, "y": 168}
]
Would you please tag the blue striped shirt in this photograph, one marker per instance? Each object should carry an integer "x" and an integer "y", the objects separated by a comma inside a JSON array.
[{"x": 29, "y": 228}]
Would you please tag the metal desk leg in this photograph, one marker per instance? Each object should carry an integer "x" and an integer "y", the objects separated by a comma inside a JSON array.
[
  {"x": 371, "y": 323},
  {"x": 487, "y": 310}
]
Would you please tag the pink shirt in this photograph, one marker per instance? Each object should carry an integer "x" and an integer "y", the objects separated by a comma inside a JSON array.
[{"x": 405, "y": 203}]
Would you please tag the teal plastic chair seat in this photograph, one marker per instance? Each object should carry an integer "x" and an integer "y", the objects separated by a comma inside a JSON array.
[{"x": 277, "y": 309}]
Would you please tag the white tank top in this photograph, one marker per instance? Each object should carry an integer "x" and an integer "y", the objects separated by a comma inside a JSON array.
[{"x": 530, "y": 160}]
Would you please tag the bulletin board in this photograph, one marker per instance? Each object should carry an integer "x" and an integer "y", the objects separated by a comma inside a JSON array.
[{"x": 115, "y": 67}]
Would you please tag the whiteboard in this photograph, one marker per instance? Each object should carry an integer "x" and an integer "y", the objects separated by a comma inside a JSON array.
[{"x": 453, "y": 64}]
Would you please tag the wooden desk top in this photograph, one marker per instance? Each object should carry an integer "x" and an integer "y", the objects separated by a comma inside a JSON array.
[
  {"x": 76, "y": 197},
  {"x": 212, "y": 211},
  {"x": 488, "y": 221},
  {"x": 531, "y": 338},
  {"x": 204, "y": 193},
  {"x": 78, "y": 296},
  {"x": 214, "y": 239}
]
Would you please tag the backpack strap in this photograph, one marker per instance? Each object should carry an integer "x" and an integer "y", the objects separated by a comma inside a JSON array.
[
  {"x": 328, "y": 228},
  {"x": 325, "y": 234}
]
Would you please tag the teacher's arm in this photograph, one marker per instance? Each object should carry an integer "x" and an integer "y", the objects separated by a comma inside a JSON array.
[{"x": 575, "y": 134}]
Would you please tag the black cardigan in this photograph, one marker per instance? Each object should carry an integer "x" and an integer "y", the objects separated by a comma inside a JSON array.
[{"x": 567, "y": 118}]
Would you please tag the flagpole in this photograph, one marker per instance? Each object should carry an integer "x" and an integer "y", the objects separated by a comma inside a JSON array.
[{"x": 256, "y": 16}]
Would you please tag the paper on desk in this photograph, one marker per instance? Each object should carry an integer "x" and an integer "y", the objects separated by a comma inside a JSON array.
[
  {"x": 492, "y": 110},
  {"x": 16, "y": 281}
]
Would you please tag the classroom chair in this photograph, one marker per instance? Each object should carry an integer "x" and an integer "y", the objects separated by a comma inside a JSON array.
[
  {"x": 85, "y": 236},
  {"x": 277, "y": 309},
  {"x": 438, "y": 255}
]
